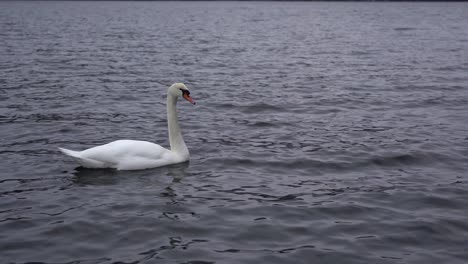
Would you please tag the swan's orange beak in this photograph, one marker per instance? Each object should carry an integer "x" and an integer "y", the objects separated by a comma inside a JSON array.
[{"x": 188, "y": 98}]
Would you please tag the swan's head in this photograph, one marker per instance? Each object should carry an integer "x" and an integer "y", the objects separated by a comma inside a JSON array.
[{"x": 178, "y": 90}]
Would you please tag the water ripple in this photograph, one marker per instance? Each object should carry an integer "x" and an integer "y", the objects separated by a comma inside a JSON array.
[{"x": 312, "y": 140}]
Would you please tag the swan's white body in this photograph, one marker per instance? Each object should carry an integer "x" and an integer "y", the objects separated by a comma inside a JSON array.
[{"x": 136, "y": 154}]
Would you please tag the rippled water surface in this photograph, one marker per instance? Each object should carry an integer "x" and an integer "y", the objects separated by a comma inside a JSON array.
[{"x": 323, "y": 133}]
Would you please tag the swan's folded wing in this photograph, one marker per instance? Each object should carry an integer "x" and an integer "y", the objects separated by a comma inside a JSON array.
[
  {"x": 124, "y": 151},
  {"x": 139, "y": 163}
]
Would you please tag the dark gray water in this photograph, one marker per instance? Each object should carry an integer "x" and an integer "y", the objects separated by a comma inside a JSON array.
[{"x": 323, "y": 133}]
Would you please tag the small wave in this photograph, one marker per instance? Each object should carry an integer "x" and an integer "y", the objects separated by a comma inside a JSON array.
[
  {"x": 260, "y": 107},
  {"x": 17, "y": 191},
  {"x": 264, "y": 124},
  {"x": 452, "y": 68},
  {"x": 253, "y": 108},
  {"x": 311, "y": 164},
  {"x": 394, "y": 160},
  {"x": 404, "y": 29}
]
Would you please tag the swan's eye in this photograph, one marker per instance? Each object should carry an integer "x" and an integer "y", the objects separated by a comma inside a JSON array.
[{"x": 185, "y": 91}]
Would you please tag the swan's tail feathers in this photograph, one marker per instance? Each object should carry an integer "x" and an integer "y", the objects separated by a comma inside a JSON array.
[
  {"x": 85, "y": 162},
  {"x": 71, "y": 153}
]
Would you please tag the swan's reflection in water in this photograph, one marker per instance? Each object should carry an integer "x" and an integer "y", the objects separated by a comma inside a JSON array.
[
  {"x": 178, "y": 171},
  {"x": 153, "y": 177}
]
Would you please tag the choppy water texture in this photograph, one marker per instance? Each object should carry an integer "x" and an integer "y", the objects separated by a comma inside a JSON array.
[{"x": 323, "y": 133}]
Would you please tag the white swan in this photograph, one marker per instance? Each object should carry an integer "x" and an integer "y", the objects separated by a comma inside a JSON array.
[{"x": 135, "y": 154}]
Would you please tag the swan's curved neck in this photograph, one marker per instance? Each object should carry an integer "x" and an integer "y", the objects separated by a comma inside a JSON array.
[{"x": 175, "y": 136}]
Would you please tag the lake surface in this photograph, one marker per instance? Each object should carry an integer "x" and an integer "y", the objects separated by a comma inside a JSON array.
[{"x": 323, "y": 132}]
